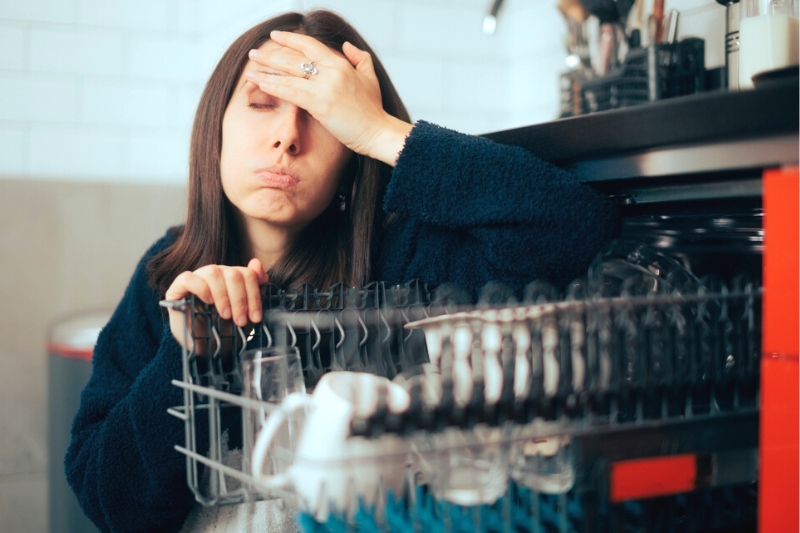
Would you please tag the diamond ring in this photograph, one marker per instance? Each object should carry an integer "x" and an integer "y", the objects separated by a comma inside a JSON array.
[{"x": 309, "y": 68}]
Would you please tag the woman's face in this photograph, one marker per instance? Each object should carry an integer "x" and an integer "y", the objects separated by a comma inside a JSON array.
[{"x": 279, "y": 166}]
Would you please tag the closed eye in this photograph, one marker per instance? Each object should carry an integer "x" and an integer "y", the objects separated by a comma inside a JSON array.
[
  {"x": 258, "y": 99},
  {"x": 261, "y": 101}
]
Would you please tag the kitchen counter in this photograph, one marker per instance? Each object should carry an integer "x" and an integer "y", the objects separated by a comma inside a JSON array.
[{"x": 699, "y": 133}]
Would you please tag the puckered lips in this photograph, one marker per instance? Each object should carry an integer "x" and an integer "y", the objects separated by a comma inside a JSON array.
[{"x": 277, "y": 177}]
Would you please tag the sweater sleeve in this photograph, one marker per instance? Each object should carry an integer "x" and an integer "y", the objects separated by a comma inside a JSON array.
[
  {"x": 121, "y": 461},
  {"x": 509, "y": 214}
]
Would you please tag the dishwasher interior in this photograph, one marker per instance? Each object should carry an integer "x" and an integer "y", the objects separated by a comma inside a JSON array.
[{"x": 626, "y": 401}]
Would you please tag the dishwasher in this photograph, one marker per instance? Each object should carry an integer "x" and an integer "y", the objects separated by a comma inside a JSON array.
[{"x": 631, "y": 400}]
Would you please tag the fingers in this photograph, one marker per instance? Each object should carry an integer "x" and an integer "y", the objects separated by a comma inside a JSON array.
[
  {"x": 285, "y": 61},
  {"x": 189, "y": 283},
  {"x": 234, "y": 291},
  {"x": 361, "y": 60},
  {"x": 286, "y": 88},
  {"x": 308, "y": 46},
  {"x": 256, "y": 266}
]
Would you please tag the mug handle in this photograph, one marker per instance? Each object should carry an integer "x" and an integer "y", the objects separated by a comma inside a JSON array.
[{"x": 293, "y": 402}]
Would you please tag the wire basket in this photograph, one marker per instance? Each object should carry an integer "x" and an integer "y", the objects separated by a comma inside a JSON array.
[
  {"x": 613, "y": 386},
  {"x": 648, "y": 74}
]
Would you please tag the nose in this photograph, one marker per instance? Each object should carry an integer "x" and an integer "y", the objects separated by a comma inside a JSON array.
[{"x": 288, "y": 129}]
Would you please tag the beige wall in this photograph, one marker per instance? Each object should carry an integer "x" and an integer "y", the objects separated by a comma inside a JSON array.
[{"x": 65, "y": 248}]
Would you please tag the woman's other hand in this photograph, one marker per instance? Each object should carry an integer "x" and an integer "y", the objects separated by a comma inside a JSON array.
[
  {"x": 234, "y": 291},
  {"x": 343, "y": 95}
]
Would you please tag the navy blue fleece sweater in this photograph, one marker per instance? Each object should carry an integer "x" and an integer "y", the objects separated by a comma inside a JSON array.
[{"x": 470, "y": 211}]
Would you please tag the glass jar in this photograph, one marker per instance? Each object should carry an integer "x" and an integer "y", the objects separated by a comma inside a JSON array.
[{"x": 767, "y": 37}]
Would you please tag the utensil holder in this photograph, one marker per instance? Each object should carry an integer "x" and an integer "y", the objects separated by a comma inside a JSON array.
[{"x": 656, "y": 72}]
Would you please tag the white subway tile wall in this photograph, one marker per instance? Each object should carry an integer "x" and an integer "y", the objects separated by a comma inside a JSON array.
[
  {"x": 13, "y": 43},
  {"x": 136, "y": 70},
  {"x": 13, "y": 150}
]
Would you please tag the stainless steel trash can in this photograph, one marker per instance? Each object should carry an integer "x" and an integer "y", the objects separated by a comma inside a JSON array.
[{"x": 70, "y": 343}]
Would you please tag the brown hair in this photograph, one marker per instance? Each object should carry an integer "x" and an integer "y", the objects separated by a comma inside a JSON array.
[{"x": 336, "y": 246}]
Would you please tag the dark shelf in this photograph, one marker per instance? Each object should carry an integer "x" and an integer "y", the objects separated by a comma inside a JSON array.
[{"x": 695, "y": 119}]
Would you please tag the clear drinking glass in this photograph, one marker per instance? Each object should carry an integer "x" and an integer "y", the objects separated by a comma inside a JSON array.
[
  {"x": 541, "y": 459},
  {"x": 270, "y": 375},
  {"x": 465, "y": 466}
]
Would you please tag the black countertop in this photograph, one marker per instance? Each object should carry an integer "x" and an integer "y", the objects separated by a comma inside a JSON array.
[{"x": 697, "y": 119}]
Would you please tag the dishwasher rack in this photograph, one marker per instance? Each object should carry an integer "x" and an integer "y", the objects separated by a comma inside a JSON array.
[{"x": 631, "y": 387}]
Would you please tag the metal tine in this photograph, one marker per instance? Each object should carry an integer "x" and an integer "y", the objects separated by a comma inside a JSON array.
[
  {"x": 593, "y": 388},
  {"x": 447, "y": 402},
  {"x": 676, "y": 380},
  {"x": 639, "y": 351},
  {"x": 653, "y": 365},
  {"x": 217, "y": 480},
  {"x": 324, "y": 326},
  {"x": 584, "y": 360},
  {"x": 536, "y": 392},
  {"x": 603, "y": 320},
  {"x": 738, "y": 340},
  {"x": 301, "y": 331},
  {"x": 627, "y": 362},
  {"x": 306, "y": 297},
  {"x": 348, "y": 355},
  {"x": 550, "y": 364},
  {"x": 400, "y": 337},
  {"x": 702, "y": 345},
  {"x": 563, "y": 353},
  {"x": 728, "y": 358},
  {"x": 748, "y": 342},
  {"x": 488, "y": 345},
  {"x": 715, "y": 357},
  {"x": 466, "y": 367},
  {"x": 369, "y": 345},
  {"x": 290, "y": 298},
  {"x": 337, "y": 359},
  {"x": 338, "y": 296},
  {"x": 577, "y": 352},
  {"x": 521, "y": 335},
  {"x": 542, "y": 365},
  {"x": 266, "y": 335},
  {"x": 406, "y": 344},
  {"x": 215, "y": 358},
  {"x": 507, "y": 402}
]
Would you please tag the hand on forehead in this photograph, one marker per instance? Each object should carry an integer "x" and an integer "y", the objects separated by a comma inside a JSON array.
[{"x": 285, "y": 52}]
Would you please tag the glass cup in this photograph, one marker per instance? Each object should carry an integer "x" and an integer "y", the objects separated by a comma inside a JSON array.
[
  {"x": 541, "y": 459},
  {"x": 270, "y": 375},
  {"x": 767, "y": 37},
  {"x": 464, "y": 466}
]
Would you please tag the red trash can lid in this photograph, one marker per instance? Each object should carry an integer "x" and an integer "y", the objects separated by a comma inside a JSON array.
[{"x": 75, "y": 337}]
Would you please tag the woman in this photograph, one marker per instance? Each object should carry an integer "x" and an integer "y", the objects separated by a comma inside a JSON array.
[{"x": 298, "y": 138}]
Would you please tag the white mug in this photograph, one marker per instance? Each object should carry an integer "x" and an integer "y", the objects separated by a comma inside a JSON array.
[{"x": 331, "y": 469}]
